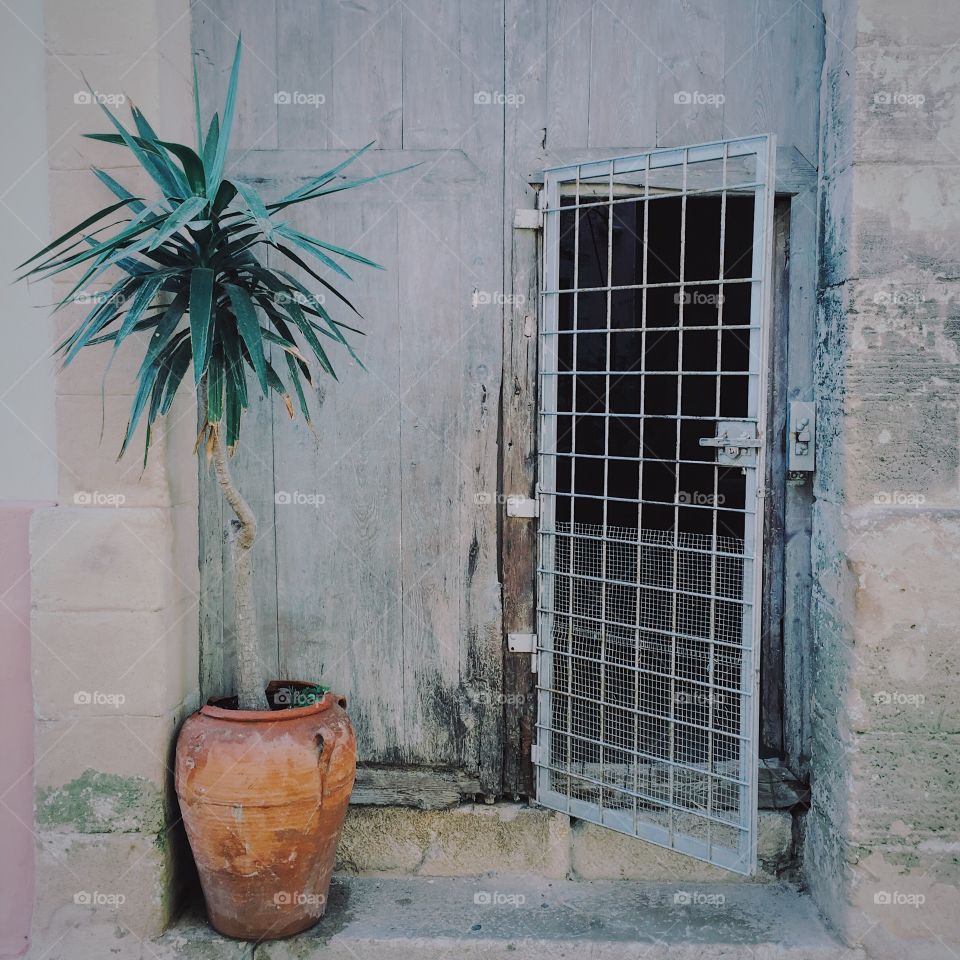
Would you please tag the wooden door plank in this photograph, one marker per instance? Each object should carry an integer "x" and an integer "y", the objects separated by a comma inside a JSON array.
[
  {"x": 431, "y": 480},
  {"x": 426, "y": 788},
  {"x": 305, "y": 69},
  {"x": 690, "y": 48},
  {"x": 624, "y": 72},
  {"x": 525, "y": 131},
  {"x": 339, "y": 535},
  {"x": 567, "y": 70},
  {"x": 217, "y": 23},
  {"x": 481, "y": 253},
  {"x": 433, "y": 91},
  {"x": 774, "y": 480},
  {"x": 366, "y": 78},
  {"x": 798, "y": 573}
]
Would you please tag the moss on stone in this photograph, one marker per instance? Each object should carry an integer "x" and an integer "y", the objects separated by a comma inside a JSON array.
[{"x": 98, "y": 802}]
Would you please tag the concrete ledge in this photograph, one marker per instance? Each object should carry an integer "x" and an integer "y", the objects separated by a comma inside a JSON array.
[
  {"x": 533, "y": 918},
  {"x": 510, "y": 838}
]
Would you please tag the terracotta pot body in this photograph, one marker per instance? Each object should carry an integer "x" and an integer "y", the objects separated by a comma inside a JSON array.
[{"x": 263, "y": 796}]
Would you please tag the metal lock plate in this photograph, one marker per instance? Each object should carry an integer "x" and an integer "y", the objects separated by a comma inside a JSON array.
[
  {"x": 801, "y": 435},
  {"x": 736, "y": 443}
]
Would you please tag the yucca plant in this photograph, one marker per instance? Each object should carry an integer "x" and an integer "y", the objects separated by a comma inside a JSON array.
[{"x": 190, "y": 272}]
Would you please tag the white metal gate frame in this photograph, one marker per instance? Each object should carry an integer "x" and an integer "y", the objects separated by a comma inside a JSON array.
[{"x": 740, "y": 856}]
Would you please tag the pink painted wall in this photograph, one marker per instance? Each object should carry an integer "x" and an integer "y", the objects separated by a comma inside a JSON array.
[{"x": 16, "y": 731}]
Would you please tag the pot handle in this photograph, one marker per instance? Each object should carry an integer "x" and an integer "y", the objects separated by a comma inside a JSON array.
[{"x": 325, "y": 746}]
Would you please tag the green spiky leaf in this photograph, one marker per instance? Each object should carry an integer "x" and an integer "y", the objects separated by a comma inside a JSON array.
[{"x": 194, "y": 250}]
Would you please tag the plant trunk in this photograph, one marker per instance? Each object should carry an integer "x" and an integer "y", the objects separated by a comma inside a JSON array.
[{"x": 251, "y": 685}]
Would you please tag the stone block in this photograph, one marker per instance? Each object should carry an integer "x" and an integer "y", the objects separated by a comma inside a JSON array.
[
  {"x": 95, "y": 371},
  {"x": 107, "y": 664},
  {"x": 905, "y": 222},
  {"x": 100, "y": 558},
  {"x": 90, "y": 433},
  {"x": 384, "y": 840},
  {"x": 600, "y": 854},
  {"x": 119, "y": 79},
  {"x": 120, "y": 881},
  {"x": 76, "y": 195},
  {"x": 502, "y": 838},
  {"x": 98, "y": 802},
  {"x": 886, "y": 23},
  {"x": 466, "y": 841},
  {"x": 906, "y": 96},
  {"x": 134, "y": 748},
  {"x": 115, "y": 27},
  {"x": 906, "y": 780}
]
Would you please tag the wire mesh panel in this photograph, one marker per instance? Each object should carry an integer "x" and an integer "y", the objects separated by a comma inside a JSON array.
[{"x": 652, "y": 347}]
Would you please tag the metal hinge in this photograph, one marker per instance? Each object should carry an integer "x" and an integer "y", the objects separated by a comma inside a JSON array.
[
  {"x": 527, "y": 219},
  {"x": 534, "y": 754},
  {"x": 524, "y": 643},
  {"x": 521, "y": 506}
]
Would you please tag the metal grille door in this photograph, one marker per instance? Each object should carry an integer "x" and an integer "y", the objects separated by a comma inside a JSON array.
[{"x": 652, "y": 370}]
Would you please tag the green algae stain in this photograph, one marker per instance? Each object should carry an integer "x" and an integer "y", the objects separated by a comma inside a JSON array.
[{"x": 101, "y": 803}]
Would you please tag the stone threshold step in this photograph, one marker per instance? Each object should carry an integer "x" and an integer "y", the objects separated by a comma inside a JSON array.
[{"x": 529, "y": 918}]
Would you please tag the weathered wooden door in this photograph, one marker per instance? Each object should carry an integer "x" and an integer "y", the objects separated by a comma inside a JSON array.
[
  {"x": 376, "y": 548},
  {"x": 387, "y": 565}
]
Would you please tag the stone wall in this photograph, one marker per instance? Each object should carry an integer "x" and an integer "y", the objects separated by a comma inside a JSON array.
[
  {"x": 883, "y": 837},
  {"x": 114, "y": 617}
]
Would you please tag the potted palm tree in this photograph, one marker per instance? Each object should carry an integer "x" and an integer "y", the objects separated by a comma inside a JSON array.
[{"x": 264, "y": 777}]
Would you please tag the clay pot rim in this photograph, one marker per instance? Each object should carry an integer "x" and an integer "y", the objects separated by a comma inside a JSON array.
[{"x": 330, "y": 698}]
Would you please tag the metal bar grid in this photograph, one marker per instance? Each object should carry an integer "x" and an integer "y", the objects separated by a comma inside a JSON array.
[
  {"x": 659, "y": 193},
  {"x": 668, "y": 285},
  {"x": 655, "y": 673},
  {"x": 599, "y": 498},
  {"x": 646, "y": 625}
]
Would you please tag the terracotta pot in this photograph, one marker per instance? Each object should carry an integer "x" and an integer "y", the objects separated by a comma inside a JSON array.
[{"x": 263, "y": 796}]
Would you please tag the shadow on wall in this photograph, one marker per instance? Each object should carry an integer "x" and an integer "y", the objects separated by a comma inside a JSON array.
[{"x": 16, "y": 732}]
